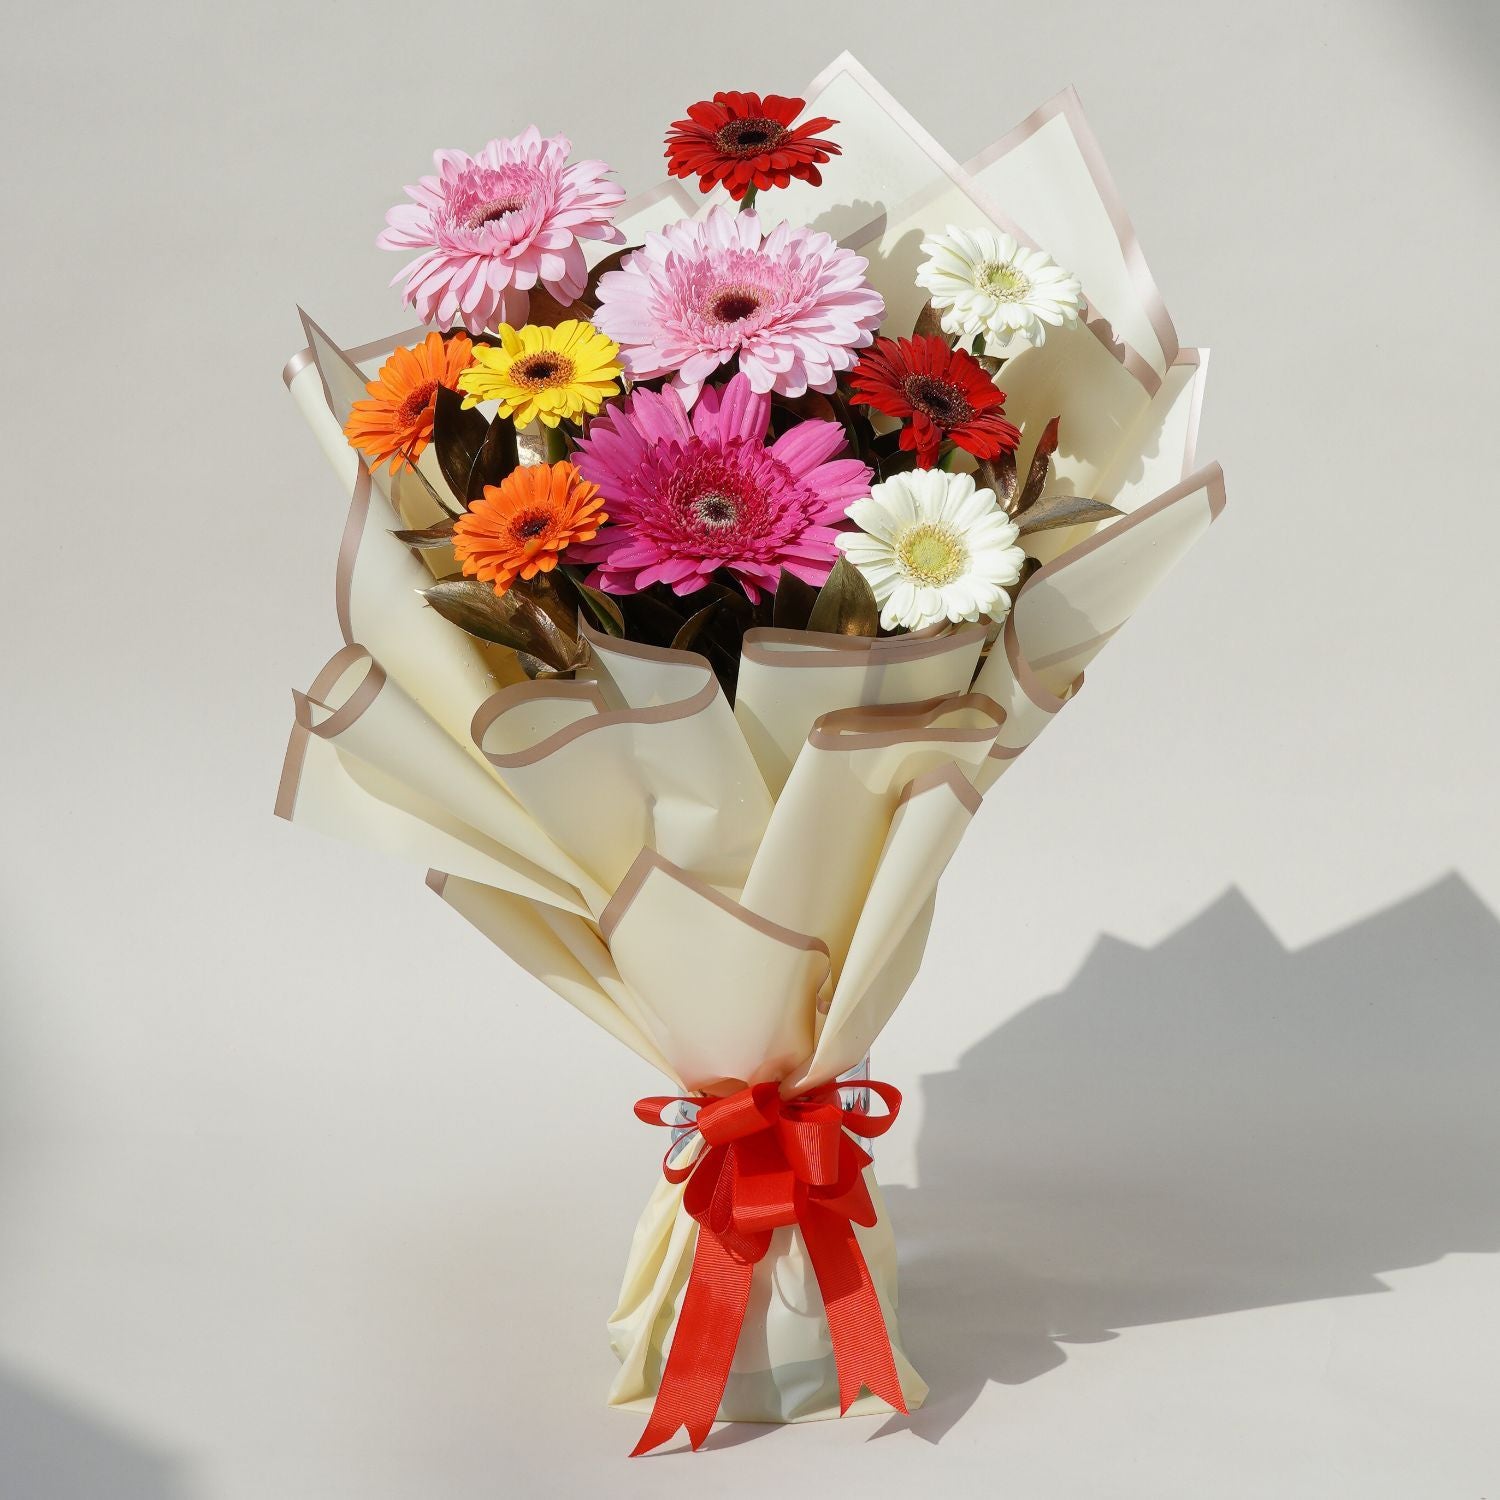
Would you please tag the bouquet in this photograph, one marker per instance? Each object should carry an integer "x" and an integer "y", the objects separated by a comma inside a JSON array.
[{"x": 710, "y": 555}]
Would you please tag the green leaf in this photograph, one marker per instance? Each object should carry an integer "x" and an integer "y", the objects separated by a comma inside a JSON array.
[
  {"x": 497, "y": 457},
  {"x": 457, "y": 437},
  {"x": 1040, "y": 462},
  {"x": 602, "y": 610},
  {"x": 510, "y": 619},
  {"x": 1063, "y": 510},
  {"x": 429, "y": 536},
  {"x": 846, "y": 604},
  {"x": 793, "y": 604}
]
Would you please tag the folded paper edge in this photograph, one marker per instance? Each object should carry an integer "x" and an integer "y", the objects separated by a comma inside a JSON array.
[
  {"x": 1135, "y": 363},
  {"x": 828, "y": 650},
  {"x": 648, "y": 863},
  {"x": 1066, "y": 102},
  {"x": 872, "y": 726}
]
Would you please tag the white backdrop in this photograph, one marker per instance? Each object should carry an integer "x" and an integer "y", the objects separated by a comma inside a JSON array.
[{"x": 1195, "y": 1188}]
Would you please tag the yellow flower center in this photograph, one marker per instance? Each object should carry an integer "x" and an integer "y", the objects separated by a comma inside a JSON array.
[
  {"x": 932, "y": 554},
  {"x": 543, "y": 371},
  {"x": 1003, "y": 282}
]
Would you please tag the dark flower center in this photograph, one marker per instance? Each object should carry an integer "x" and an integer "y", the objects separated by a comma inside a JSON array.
[
  {"x": 492, "y": 209},
  {"x": 714, "y": 509},
  {"x": 733, "y": 304},
  {"x": 529, "y": 524},
  {"x": 538, "y": 371},
  {"x": 414, "y": 406},
  {"x": 941, "y": 400},
  {"x": 748, "y": 137}
]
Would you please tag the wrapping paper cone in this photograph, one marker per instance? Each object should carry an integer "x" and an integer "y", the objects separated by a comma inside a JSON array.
[
  {"x": 337, "y": 793},
  {"x": 647, "y": 756},
  {"x": 822, "y": 846},
  {"x": 729, "y": 997},
  {"x": 354, "y": 707},
  {"x": 1069, "y": 608},
  {"x": 932, "y": 815},
  {"x": 789, "y": 678}
]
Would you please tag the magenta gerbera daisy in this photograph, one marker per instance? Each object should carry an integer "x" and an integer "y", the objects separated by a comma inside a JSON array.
[
  {"x": 690, "y": 494},
  {"x": 791, "y": 304},
  {"x": 490, "y": 227}
]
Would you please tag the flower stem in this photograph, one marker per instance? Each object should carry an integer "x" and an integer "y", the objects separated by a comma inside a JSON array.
[
  {"x": 557, "y": 443},
  {"x": 978, "y": 344},
  {"x": 748, "y": 201},
  {"x": 949, "y": 459}
]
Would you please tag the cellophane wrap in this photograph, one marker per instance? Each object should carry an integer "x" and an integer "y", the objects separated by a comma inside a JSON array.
[{"x": 742, "y": 893}]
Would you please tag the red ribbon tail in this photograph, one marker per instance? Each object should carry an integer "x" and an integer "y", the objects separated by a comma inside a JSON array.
[
  {"x": 861, "y": 1343},
  {"x": 708, "y": 1331}
]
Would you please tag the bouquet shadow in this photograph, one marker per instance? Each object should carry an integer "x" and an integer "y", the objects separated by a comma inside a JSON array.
[
  {"x": 51, "y": 1448},
  {"x": 1211, "y": 1125}
]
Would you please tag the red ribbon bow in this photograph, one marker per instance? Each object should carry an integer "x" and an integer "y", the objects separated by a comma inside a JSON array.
[{"x": 766, "y": 1162}]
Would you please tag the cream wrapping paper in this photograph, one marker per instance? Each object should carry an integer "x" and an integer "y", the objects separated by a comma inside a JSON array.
[
  {"x": 744, "y": 893},
  {"x": 790, "y": 678},
  {"x": 646, "y": 755}
]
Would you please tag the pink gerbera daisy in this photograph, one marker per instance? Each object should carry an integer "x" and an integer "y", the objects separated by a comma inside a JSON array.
[
  {"x": 790, "y": 304},
  {"x": 491, "y": 226},
  {"x": 691, "y": 494}
]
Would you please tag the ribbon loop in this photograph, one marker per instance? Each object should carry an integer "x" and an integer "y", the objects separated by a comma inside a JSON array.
[{"x": 763, "y": 1163}]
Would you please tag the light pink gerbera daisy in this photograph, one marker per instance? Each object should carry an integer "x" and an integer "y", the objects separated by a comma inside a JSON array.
[
  {"x": 690, "y": 494},
  {"x": 491, "y": 226},
  {"x": 791, "y": 304}
]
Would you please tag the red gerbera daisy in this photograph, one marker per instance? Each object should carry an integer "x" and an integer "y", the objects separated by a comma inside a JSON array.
[
  {"x": 747, "y": 142},
  {"x": 937, "y": 392}
]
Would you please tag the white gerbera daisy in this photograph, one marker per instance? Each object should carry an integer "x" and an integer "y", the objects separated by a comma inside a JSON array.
[
  {"x": 985, "y": 282},
  {"x": 933, "y": 547}
]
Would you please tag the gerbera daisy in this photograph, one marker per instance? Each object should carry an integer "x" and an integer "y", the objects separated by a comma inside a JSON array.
[
  {"x": 986, "y": 282},
  {"x": 790, "y": 304},
  {"x": 490, "y": 227},
  {"x": 932, "y": 548},
  {"x": 937, "y": 392},
  {"x": 549, "y": 373},
  {"x": 747, "y": 142},
  {"x": 690, "y": 495},
  {"x": 517, "y": 528},
  {"x": 396, "y": 422}
]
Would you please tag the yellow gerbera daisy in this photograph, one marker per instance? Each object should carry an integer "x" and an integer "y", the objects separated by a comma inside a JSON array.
[{"x": 552, "y": 373}]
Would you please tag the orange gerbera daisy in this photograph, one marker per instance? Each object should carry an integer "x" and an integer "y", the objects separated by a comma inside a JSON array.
[
  {"x": 396, "y": 422},
  {"x": 517, "y": 528}
]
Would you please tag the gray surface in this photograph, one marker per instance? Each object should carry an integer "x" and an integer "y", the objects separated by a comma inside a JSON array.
[{"x": 1198, "y": 1207}]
